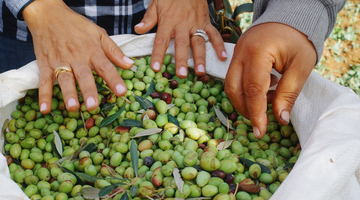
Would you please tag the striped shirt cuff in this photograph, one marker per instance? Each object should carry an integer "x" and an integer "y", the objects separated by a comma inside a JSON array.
[
  {"x": 313, "y": 18},
  {"x": 16, "y": 7}
]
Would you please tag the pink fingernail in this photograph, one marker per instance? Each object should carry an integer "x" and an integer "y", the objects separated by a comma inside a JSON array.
[
  {"x": 224, "y": 54},
  {"x": 285, "y": 116},
  {"x": 90, "y": 102},
  {"x": 128, "y": 60},
  {"x": 201, "y": 68},
  {"x": 256, "y": 132},
  {"x": 156, "y": 66},
  {"x": 120, "y": 89},
  {"x": 183, "y": 71},
  {"x": 141, "y": 24},
  {"x": 71, "y": 102},
  {"x": 43, "y": 107}
]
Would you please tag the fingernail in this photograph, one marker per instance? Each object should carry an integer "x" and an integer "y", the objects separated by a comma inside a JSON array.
[
  {"x": 156, "y": 66},
  {"x": 141, "y": 24},
  {"x": 90, "y": 102},
  {"x": 183, "y": 71},
  {"x": 285, "y": 116},
  {"x": 120, "y": 89},
  {"x": 224, "y": 54},
  {"x": 128, "y": 60},
  {"x": 43, "y": 107},
  {"x": 256, "y": 132},
  {"x": 201, "y": 68},
  {"x": 71, "y": 102}
]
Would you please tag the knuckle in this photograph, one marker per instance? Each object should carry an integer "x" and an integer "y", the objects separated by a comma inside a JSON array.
[
  {"x": 253, "y": 89},
  {"x": 45, "y": 81},
  {"x": 66, "y": 76},
  {"x": 82, "y": 73},
  {"x": 161, "y": 40},
  {"x": 289, "y": 97},
  {"x": 182, "y": 42},
  {"x": 198, "y": 41},
  {"x": 104, "y": 68}
]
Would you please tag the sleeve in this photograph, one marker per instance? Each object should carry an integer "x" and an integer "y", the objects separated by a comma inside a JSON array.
[
  {"x": 314, "y": 18},
  {"x": 17, "y": 6}
]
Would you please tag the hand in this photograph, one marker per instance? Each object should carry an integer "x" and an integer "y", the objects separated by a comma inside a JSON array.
[
  {"x": 179, "y": 19},
  {"x": 64, "y": 38},
  {"x": 263, "y": 47}
]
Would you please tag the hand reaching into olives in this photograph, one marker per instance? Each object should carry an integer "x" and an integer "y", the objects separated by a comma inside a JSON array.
[
  {"x": 263, "y": 47},
  {"x": 63, "y": 38},
  {"x": 179, "y": 20}
]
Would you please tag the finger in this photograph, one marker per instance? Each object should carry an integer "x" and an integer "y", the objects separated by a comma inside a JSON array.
[
  {"x": 199, "y": 51},
  {"x": 182, "y": 44},
  {"x": 161, "y": 43},
  {"x": 114, "y": 53},
  {"x": 67, "y": 84},
  {"x": 288, "y": 89},
  {"x": 108, "y": 72},
  {"x": 256, "y": 85},
  {"x": 149, "y": 20},
  {"x": 46, "y": 82},
  {"x": 234, "y": 85},
  {"x": 216, "y": 41},
  {"x": 85, "y": 78}
]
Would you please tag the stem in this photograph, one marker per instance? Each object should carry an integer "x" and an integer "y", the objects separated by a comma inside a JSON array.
[{"x": 160, "y": 190}]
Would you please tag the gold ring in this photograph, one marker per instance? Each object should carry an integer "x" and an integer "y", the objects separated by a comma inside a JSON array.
[{"x": 60, "y": 70}]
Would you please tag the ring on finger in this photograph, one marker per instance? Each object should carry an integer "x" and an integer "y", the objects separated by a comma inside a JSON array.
[
  {"x": 62, "y": 69},
  {"x": 201, "y": 33}
]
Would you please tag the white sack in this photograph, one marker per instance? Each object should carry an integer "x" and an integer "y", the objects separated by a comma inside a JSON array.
[{"x": 326, "y": 117}]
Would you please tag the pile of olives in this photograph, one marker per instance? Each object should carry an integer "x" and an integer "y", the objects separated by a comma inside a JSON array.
[{"x": 166, "y": 138}]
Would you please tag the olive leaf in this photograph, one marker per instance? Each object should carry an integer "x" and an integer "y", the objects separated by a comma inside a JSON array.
[
  {"x": 3, "y": 133},
  {"x": 111, "y": 118},
  {"x": 146, "y": 117},
  {"x": 173, "y": 120},
  {"x": 90, "y": 192},
  {"x": 179, "y": 182},
  {"x": 91, "y": 147},
  {"x": 290, "y": 165},
  {"x": 150, "y": 131},
  {"x": 87, "y": 177},
  {"x": 247, "y": 163},
  {"x": 182, "y": 135},
  {"x": 224, "y": 144},
  {"x": 145, "y": 103},
  {"x": 106, "y": 190},
  {"x": 54, "y": 150},
  {"x": 151, "y": 88},
  {"x": 58, "y": 143},
  {"x": 108, "y": 106},
  {"x": 131, "y": 123},
  {"x": 69, "y": 157},
  {"x": 175, "y": 139},
  {"x": 134, "y": 157},
  {"x": 111, "y": 170},
  {"x": 134, "y": 68},
  {"x": 222, "y": 118},
  {"x": 111, "y": 134},
  {"x": 140, "y": 111},
  {"x": 133, "y": 190},
  {"x": 79, "y": 180},
  {"x": 170, "y": 106},
  {"x": 124, "y": 196},
  {"x": 100, "y": 88}
]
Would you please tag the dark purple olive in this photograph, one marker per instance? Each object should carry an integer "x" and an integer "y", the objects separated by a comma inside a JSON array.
[
  {"x": 173, "y": 84},
  {"x": 149, "y": 161},
  {"x": 155, "y": 94},
  {"x": 229, "y": 178},
  {"x": 166, "y": 97},
  {"x": 218, "y": 173}
]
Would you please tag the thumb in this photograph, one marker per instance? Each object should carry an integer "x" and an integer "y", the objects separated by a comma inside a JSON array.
[
  {"x": 149, "y": 20},
  {"x": 288, "y": 89}
]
